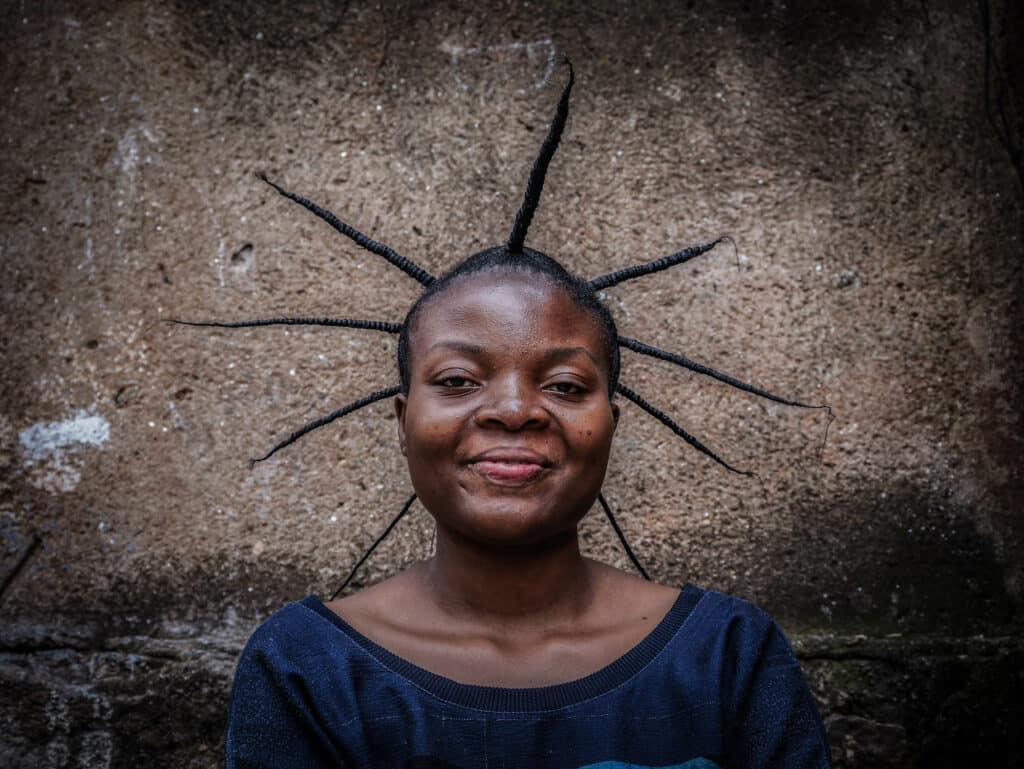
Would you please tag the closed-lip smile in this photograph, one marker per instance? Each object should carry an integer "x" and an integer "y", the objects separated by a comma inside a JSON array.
[{"x": 509, "y": 466}]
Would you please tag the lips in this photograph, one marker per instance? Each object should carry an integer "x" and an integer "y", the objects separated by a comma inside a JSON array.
[{"x": 509, "y": 466}]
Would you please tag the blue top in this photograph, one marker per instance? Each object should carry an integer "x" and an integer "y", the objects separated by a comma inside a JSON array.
[{"x": 715, "y": 684}]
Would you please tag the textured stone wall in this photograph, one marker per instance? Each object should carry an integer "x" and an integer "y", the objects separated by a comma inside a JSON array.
[{"x": 845, "y": 147}]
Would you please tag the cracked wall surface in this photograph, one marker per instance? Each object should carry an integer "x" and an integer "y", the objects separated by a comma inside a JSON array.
[{"x": 847, "y": 150}]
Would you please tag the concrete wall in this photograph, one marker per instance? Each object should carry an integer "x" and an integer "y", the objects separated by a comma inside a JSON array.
[{"x": 844, "y": 146}]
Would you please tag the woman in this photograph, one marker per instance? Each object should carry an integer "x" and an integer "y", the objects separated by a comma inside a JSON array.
[{"x": 508, "y": 647}]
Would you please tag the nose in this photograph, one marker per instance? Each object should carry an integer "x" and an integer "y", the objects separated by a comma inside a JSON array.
[{"x": 514, "y": 404}]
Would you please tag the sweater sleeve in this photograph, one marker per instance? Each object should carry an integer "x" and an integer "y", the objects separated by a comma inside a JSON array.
[
  {"x": 773, "y": 720},
  {"x": 272, "y": 719}
]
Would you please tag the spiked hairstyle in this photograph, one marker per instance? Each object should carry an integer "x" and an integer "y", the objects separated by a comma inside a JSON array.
[{"x": 516, "y": 256}]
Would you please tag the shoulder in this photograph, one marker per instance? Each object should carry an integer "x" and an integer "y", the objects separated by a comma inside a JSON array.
[
  {"x": 289, "y": 701},
  {"x": 296, "y": 652},
  {"x": 627, "y": 596},
  {"x": 729, "y": 640},
  {"x": 735, "y": 619},
  {"x": 770, "y": 714},
  {"x": 380, "y": 608},
  {"x": 291, "y": 634}
]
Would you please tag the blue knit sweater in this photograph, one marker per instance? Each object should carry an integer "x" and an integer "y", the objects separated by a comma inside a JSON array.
[{"x": 715, "y": 684}]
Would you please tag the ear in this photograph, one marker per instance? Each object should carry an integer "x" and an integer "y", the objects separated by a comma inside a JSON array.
[
  {"x": 615, "y": 415},
  {"x": 400, "y": 404}
]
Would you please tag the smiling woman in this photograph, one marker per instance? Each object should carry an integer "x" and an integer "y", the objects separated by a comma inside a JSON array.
[
  {"x": 507, "y": 422},
  {"x": 507, "y": 647}
]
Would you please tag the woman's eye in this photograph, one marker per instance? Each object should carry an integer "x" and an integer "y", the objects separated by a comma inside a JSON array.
[
  {"x": 456, "y": 382},
  {"x": 567, "y": 388}
]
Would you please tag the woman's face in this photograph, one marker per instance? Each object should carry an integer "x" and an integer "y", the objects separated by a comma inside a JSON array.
[{"x": 507, "y": 424}]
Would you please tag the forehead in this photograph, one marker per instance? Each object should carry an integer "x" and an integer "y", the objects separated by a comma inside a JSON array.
[{"x": 503, "y": 309}]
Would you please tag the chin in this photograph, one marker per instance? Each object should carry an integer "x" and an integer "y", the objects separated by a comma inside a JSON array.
[{"x": 510, "y": 521}]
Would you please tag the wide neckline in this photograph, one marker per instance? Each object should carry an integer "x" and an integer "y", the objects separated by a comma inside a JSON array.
[{"x": 541, "y": 698}]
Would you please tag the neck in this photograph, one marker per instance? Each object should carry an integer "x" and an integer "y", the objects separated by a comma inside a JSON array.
[{"x": 544, "y": 583}]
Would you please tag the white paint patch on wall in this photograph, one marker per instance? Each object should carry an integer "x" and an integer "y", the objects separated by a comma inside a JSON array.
[
  {"x": 46, "y": 438},
  {"x": 48, "y": 447}
]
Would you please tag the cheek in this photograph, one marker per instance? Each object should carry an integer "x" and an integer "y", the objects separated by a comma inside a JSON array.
[
  {"x": 431, "y": 447},
  {"x": 594, "y": 436},
  {"x": 424, "y": 437},
  {"x": 429, "y": 436}
]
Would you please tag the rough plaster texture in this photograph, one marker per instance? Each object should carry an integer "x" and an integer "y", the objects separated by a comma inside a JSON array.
[{"x": 845, "y": 149}]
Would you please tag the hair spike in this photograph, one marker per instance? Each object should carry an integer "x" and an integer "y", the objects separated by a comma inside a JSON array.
[
  {"x": 540, "y": 169},
  {"x": 679, "y": 360},
  {"x": 405, "y": 265},
  {"x": 639, "y": 270},
  {"x": 666, "y": 420},
  {"x": 366, "y": 400},
  {"x": 622, "y": 537},
  {"x": 369, "y": 325},
  {"x": 369, "y": 551}
]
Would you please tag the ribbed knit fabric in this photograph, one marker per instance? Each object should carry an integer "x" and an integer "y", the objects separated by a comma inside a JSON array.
[{"x": 715, "y": 684}]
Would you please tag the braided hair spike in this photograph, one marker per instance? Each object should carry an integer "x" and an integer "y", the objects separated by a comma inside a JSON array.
[
  {"x": 535, "y": 185},
  {"x": 355, "y": 405},
  {"x": 369, "y": 551},
  {"x": 405, "y": 265},
  {"x": 639, "y": 270},
  {"x": 666, "y": 420},
  {"x": 684, "y": 362},
  {"x": 369, "y": 325},
  {"x": 622, "y": 537}
]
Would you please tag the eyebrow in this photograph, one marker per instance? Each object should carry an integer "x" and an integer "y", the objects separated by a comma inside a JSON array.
[
  {"x": 554, "y": 355},
  {"x": 466, "y": 347},
  {"x": 563, "y": 353}
]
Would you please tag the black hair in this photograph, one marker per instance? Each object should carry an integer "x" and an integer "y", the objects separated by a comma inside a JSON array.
[
  {"x": 513, "y": 256},
  {"x": 525, "y": 261}
]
